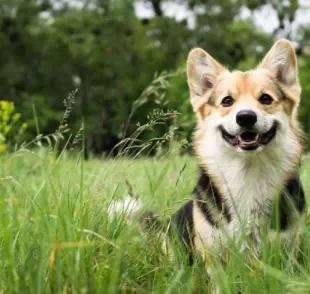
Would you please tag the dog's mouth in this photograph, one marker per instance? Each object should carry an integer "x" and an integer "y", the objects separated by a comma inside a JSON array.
[{"x": 249, "y": 140}]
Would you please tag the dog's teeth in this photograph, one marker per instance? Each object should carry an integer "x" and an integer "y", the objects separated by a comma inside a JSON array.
[{"x": 256, "y": 137}]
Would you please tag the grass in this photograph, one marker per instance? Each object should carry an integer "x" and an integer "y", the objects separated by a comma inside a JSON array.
[{"x": 55, "y": 236}]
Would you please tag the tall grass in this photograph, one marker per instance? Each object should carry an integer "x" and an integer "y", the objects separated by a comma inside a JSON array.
[{"x": 55, "y": 236}]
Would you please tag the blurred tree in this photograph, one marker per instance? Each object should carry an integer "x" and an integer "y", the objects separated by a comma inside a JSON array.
[{"x": 100, "y": 46}]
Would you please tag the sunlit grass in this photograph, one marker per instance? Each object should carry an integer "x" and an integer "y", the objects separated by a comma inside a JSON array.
[{"x": 55, "y": 236}]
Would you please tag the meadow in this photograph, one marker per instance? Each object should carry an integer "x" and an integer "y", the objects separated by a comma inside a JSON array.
[
  {"x": 56, "y": 237},
  {"x": 129, "y": 69}
]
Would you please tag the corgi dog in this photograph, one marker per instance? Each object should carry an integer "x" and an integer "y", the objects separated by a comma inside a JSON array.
[{"x": 249, "y": 145}]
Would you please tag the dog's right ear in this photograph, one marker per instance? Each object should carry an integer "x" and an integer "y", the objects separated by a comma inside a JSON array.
[{"x": 202, "y": 71}]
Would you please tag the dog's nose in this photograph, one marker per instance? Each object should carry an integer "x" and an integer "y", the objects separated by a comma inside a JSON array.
[{"x": 246, "y": 118}]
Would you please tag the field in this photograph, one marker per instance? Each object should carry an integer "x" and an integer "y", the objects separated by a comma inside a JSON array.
[{"x": 55, "y": 236}]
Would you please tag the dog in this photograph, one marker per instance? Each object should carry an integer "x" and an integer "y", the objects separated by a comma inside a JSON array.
[{"x": 249, "y": 145}]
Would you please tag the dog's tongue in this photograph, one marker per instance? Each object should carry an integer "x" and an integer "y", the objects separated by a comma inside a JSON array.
[{"x": 248, "y": 137}]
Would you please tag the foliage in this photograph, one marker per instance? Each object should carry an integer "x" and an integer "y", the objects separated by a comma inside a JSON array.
[
  {"x": 11, "y": 128},
  {"x": 109, "y": 54}
]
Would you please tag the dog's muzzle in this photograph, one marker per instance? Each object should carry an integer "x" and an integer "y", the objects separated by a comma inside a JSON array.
[{"x": 248, "y": 139}]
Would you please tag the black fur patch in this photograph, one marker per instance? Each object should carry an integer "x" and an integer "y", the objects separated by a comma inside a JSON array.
[
  {"x": 207, "y": 195},
  {"x": 183, "y": 219},
  {"x": 291, "y": 201}
]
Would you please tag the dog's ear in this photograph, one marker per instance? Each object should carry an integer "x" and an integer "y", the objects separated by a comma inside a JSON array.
[
  {"x": 202, "y": 71},
  {"x": 281, "y": 62}
]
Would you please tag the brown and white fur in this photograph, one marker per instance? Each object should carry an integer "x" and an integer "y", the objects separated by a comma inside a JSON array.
[{"x": 249, "y": 145}]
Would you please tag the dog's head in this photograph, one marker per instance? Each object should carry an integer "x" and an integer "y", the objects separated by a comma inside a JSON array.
[{"x": 246, "y": 111}]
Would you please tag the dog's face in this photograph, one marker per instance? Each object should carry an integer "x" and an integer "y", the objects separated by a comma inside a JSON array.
[{"x": 245, "y": 111}]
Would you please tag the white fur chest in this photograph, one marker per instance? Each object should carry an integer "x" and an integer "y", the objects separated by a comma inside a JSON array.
[{"x": 247, "y": 185}]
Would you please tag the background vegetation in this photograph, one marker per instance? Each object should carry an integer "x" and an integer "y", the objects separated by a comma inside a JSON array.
[{"x": 111, "y": 53}]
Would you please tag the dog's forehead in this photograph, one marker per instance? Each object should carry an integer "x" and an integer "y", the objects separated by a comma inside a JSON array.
[{"x": 247, "y": 82}]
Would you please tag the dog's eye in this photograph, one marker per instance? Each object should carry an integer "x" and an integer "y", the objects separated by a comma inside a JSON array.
[
  {"x": 265, "y": 99},
  {"x": 228, "y": 101}
]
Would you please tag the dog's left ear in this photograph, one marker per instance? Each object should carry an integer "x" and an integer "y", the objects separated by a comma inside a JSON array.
[
  {"x": 202, "y": 73},
  {"x": 281, "y": 62}
]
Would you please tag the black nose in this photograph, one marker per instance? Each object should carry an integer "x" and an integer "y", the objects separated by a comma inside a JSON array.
[{"x": 246, "y": 118}]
